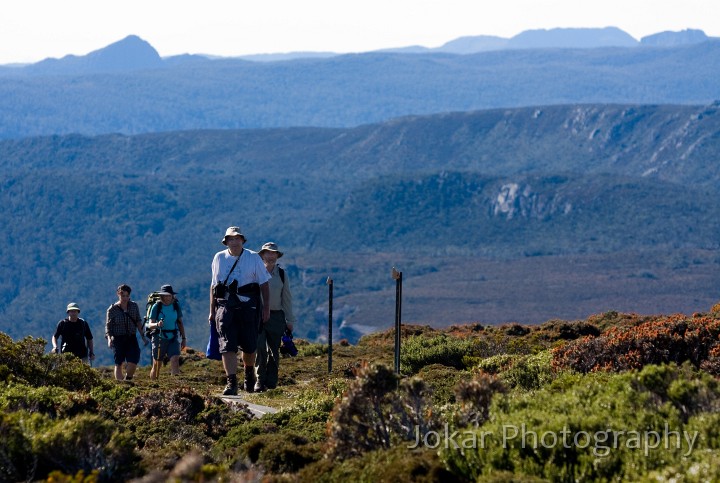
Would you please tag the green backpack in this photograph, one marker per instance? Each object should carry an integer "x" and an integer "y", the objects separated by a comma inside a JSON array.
[{"x": 152, "y": 299}]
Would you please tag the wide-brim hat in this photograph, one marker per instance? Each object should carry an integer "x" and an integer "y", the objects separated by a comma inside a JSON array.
[
  {"x": 233, "y": 231},
  {"x": 72, "y": 306},
  {"x": 167, "y": 290},
  {"x": 270, "y": 247}
]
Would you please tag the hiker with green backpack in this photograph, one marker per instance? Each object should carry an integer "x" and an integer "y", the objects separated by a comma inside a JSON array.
[{"x": 166, "y": 330}]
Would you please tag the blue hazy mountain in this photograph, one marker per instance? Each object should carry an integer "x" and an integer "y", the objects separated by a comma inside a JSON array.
[
  {"x": 129, "y": 54},
  {"x": 673, "y": 39}
]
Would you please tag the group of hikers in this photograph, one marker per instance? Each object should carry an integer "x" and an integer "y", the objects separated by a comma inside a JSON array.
[{"x": 250, "y": 312}]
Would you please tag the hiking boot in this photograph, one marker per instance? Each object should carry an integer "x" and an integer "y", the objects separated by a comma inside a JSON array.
[
  {"x": 250, "y": 380},
  {"x": 231, "y": 389},
  {"x": 260, "y": 387}
]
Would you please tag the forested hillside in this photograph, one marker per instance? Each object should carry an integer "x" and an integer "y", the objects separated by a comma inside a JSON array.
[{"x": 587, "y": 207}]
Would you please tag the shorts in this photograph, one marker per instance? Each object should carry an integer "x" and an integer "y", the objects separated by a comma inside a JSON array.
[
  {"x": 162, "y": 347},
  {"x": 238, "y": 327},
  {"x": 126, "y": 349}
]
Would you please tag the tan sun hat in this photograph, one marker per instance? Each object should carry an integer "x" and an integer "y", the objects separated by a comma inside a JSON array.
[
  {"x": 72, "y": 306},
  {"x": 233, "y": 231},
  {"x": 270, "y": 247}
]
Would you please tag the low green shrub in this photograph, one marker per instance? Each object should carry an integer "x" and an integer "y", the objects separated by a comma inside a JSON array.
[
  {"x": 312, "y": 350},
  {"x": 441, "y": 381},
  {"x": 54, "y": 401},
  {"x": 399, "y": 464},
  {"x": 495, "y": 364},
  {"x": 598, "y": 426},
  {"x": 87, "y": 443},
  {"x": 25, "y": 361},
  {"x": 420, "y": 351},
  {"x": 18, "y": 460},
  {"x": 281, "y": 452},
  {"x": 530, "y": 372}
]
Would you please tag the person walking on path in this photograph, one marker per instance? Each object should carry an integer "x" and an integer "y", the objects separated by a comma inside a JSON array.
[
  {"x": 282, "y": 318},
  {"x": 238, "y": 288},
  {"x": 121, "y": 322},
  {"x": 168, "y": 339},
  {"x": 75, "y": 335}
]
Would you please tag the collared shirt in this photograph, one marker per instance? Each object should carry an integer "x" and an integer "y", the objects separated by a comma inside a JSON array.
[
  {"x": 249, "y": 269},
  {"x": 119, "y": 322},
  {"x": 280, "y": 296}
]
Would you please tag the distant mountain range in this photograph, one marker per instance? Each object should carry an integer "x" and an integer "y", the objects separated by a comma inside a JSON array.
[
  {"x": 133, "y": 53},
  {"x": 127, "y": 88}
]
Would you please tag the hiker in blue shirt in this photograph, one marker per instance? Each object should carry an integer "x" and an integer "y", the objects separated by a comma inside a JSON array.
[
  {"x": 74, "y": 333},
  {"x": 168, "y": 332}
]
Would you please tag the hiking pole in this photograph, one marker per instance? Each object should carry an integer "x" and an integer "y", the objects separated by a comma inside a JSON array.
[
  {"x": 330, "y": 322},
  {"x": 398, "y": 309}
]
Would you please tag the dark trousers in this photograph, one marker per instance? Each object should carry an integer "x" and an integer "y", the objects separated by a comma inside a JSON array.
[{"x": 267, "y": 363}]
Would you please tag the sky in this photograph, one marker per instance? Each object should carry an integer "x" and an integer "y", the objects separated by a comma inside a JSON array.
[{"x": 32, "y": 30}]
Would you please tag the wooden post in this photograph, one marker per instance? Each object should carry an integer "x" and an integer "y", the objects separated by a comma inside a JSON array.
[
  {"x": 398, "y": 316},
  {"x": 330, "y": 322}
]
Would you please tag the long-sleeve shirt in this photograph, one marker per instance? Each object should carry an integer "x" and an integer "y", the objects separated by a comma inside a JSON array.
[
  {"x": 119, "y": 322},
  {"x": 280, "y": 295}
]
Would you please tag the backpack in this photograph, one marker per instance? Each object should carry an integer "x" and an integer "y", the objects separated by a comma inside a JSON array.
[
  {"x": 75, "y": 344},
  {"x": 152, "y": 299},
  {"x": 282, "y": 274}
]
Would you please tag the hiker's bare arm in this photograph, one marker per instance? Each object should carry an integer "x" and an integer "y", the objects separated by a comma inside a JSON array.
[
  {"x": 181, "y": 328},
  {"x": 213, "y": 307}
]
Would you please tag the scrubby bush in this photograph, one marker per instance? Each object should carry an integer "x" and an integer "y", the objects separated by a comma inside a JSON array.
[
  {"x": 85, "y": 443},
  {"x": 378, "y": 413},
  {"x": 592, "y": 427},
  {"x": 54, "y": 401},
  {"x": 672, "y": 339},
  {"x": 562, "y": 330},
  {"x": 495, "y": 364},
  {"x": 398, "y": 464},
  {"x": 281, "y": 453},
  {"x": 420, "y": 351},
  {"x": 688, "y": 390},
  {"x": 441, "y": 381},
  {"x": 25, "y": 362},
  {"x": 312, "y": 350},
  {"x": 18, "y": 461},
  {"x": 530, "y": 372},
  {"x": 179, "y": 405},
  {"x": 474, "y": 398}
]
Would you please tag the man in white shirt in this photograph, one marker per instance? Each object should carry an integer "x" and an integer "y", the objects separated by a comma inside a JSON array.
[{"x": 239, "y": 286}]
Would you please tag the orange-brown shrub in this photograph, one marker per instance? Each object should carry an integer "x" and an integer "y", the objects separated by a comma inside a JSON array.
[{"x": 675, "y": 338}]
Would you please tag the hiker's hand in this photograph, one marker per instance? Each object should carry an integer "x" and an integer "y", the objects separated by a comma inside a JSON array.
[
  {"x": 110, "y": 342},
  {"x": 92, "y": 356},
  {"x": 211, "y": 318},
  {"x": 183, "y": 343},
  {"x": 159, "y": 323},
  {"x": 289, "y": 326},
  {"x": 266, "y": 313}
]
